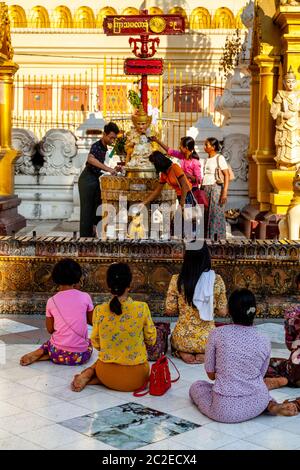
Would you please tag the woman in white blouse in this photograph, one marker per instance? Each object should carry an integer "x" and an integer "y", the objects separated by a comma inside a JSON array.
[{"x": 216, "y": 193}]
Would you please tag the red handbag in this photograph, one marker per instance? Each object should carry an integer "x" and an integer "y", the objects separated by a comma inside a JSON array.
[
  {"x": 200, "y": 197},
  {"x": 159, "y": 380}
]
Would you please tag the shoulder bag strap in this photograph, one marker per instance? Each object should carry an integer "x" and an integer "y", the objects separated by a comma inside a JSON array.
[
  {"x": 140, "y": 391},
  {"x": 66, "y": 323},
  {"x": 177, "y": 378}
]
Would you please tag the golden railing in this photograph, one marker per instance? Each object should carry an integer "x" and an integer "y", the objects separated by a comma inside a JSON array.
[{"x": 180, "y": 97}]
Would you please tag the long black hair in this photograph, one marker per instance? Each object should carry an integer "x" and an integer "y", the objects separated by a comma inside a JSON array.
[
  {"x": 118, "y": 279},
  {"x": 189, "y": 143},
  {"x": 195, "y": 263},
  {"x": 242, "y": 307},
  {"x": 160, "y": 161},
  {"x": 215, "y": 143}
]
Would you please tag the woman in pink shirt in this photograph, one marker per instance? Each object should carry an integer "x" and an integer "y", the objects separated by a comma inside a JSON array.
[
  {"x": 189, "y": 159},
  {"x": 67, "y": 314}
]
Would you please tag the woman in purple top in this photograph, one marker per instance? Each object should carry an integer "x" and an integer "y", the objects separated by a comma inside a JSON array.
[
  {"x": 189, "y": 159},
  {"x": 236, "y": 358}
]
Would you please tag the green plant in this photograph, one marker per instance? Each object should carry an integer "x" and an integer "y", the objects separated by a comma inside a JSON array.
[
  {"x": 119, "y": 147},
  {"x": 134, "y": 99}
]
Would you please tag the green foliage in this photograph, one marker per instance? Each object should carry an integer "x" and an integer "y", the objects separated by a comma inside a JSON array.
[{"x": 134, "y": 99}]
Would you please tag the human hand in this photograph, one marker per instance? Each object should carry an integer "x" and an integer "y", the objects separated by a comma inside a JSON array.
[
  {"x": 153, "y": 138},
  {"x": 113, "y": 172},
  {"x": 223, "y": 198}
]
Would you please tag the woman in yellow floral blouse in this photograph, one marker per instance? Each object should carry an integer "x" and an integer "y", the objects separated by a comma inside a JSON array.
[
  {"x": 120, "y": 330},
  {"x": 195, "y": 295}
]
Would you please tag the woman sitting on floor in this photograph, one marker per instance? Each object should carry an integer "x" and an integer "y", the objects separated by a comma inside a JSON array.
[
  {"x": 67, "y": 315},
  {"x": 236, "y": 358},
  {"x": 120, "y": 330},
  {"x": 195, "y": 295},
  {"x": 288, "y": 369}
]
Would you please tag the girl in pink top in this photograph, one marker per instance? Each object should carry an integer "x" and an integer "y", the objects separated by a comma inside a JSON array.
[
  {"x": 189, "y": 159},
  {"x": 67, "y": 314}
]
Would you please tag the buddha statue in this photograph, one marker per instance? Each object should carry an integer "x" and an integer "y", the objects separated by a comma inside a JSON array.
[
  {"x": 285, "y": 109},
  {"x": 138, "y": 145}
]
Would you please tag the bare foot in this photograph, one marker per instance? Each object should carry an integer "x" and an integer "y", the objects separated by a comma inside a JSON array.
[
  {"x": 275, "y": 382},
  {"x": 80, "y": 381},
  {"x": 34, "y": 356},
  {"x": 200, "y": 358},
  {"x": 188, "y": 358},
  {"x": 283, "y": 409}
]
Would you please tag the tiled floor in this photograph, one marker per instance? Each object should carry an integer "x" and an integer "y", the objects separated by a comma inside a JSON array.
[{"x": 39, "y": 411}]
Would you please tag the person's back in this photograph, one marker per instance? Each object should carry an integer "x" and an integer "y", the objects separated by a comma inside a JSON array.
[
  {"x": 237, "y": 358},
  {"x": 68, "y": 309},
  {"x": 195, "y": 295},
  {"x": 122, "y": 337},
  {"x": 241, "y": 354},
  {"x": 120, "y": 330},
  {"x": 67, "y": 314}
]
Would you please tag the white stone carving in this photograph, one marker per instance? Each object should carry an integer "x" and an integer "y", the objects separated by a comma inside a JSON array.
[
  {"x": 247, "y": 15},
  {"x": 58, "y": 147},
  {"x": 235, "y": 101},
  {"x": 235, "y": 151},
  {"x": 26, "y": 143},
  {"x": 247, "y": 18}
]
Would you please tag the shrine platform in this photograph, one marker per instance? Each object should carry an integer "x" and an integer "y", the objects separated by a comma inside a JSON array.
[{"x": 267, "y": 267}]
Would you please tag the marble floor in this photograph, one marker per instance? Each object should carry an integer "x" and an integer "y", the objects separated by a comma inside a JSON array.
[{"x": 38, "y": 410}]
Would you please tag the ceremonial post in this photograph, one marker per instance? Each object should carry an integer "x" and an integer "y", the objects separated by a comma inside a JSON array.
[{"x": 144, "y": 47}]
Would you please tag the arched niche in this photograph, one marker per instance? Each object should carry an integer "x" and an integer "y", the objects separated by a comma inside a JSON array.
[
  {"x": 38, "y": 17},
  {"x": 238, "y": 22},
  {"x": 17, "y": 16},
  {"x": 61, "y": 17},
  {"x": 224, "y": 19},
  {"x": 155, "y": 11},
  {"x": 200, "y": 19},
  {"x": 180, "y": 11},
  {"x": 130, "y": 11},
  {"x": 105, "y": 11},
  {"x": 84, "y": 18}
]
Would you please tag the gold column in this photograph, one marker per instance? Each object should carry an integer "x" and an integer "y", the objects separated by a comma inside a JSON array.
[
  {"x": 265, "y": 153},
  {"x": 253, "y": 143},
  {"x": 288, "y": 20},
  {"x": 7, "y": 70},
  {"x": 9, "y": 155}
]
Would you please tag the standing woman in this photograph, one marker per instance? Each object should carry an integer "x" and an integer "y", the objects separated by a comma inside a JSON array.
[
  {"x": 88, "y": 183},
  {"x": 216, "y": 193}
]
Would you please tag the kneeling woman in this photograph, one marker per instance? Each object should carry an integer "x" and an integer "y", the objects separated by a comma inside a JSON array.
[{"x": 120, "y": 330}]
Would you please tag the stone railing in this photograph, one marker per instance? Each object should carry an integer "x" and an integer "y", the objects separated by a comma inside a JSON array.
[{"x": 268, "y": 268}]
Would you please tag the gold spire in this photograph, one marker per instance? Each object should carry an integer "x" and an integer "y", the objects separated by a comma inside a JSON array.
[{"x": 290, "y": 74}]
